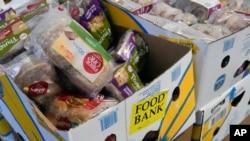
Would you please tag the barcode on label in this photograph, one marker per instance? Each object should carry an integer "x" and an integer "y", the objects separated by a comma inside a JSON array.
[
  {"x": 108, "y": 120},
  {"x": 218, "y": 116}
]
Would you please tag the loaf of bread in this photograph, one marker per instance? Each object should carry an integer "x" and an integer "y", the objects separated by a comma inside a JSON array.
[
  {"x": 86, "y": 64},
  {"x": 68, "y": 111}
]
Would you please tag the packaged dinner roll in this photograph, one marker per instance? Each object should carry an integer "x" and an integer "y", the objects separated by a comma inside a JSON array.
[
  {"x": 73, "y": 50},
  {"x": 35, "y": 77},
  {"x": 68, "y": 111}
]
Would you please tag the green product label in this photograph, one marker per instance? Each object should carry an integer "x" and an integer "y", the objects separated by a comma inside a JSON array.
[
  {"x": 11, "y": 35},
  {"x": 91, "y": 41}
]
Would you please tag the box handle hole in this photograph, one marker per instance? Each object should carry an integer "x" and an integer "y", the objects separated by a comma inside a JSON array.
[
  {"x": 225, "y": 61},
  {"x": 237, "y": 99},
  {"x": 216, "y": 131},
  {"x": 176, "y": 93}
]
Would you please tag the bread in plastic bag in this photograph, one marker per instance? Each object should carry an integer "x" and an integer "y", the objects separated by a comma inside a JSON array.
[
  {"x": 68, "y": 111},
  {"x": 125, "y": 82},
  {"x": 35, "y": 77},
  {"x": 230, "y": 19},
  {"x": 73, "y": 50}
]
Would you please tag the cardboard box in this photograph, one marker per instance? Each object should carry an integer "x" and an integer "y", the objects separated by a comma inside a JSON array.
[
  {"x": 166, "y": 105},
  {"x": 171, "y": 77},
  {"x": 30, "y": 123},
  {"x": 213, "y": 120},
  {"x": 218, "y": 65}
]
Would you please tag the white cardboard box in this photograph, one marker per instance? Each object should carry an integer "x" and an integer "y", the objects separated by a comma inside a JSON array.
[
  {"x": 30, "y": 124},
  {"x": 216, "y": 63},
  {"x": 166, "y": 106},
  {"x": 162, "y": 76},
  {"x": 213, "y": 120}
]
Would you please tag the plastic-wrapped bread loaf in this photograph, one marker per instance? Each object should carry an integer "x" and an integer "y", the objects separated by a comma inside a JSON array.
[
  {"x": 73, "y": 50},
  {"x": 68, "y": 111},
  {"x": 230, "y": 19},
  {"x": 36, "y": 77}
]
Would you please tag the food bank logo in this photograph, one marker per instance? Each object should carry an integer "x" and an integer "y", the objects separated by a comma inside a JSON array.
[{"x": 148, "y": 111}]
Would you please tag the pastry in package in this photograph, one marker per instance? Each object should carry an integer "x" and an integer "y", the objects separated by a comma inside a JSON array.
[
  {"x": 164, "y": 10},
  {"x": 125, "y": 82},
  {"x": 230, "y": 19},
  {"x": 217, "y": 31},
  {"x": 68, "y": 111},
  {"x": 131, "y": 48},
  {"x": 91, "y": 16},
  {"x": 202, "y": 9},
  {"x": 35, "y": 77}
]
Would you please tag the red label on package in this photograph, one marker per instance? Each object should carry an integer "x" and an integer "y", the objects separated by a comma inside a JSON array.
[
  {"x": 38, "y": 88},
  {"x": 93, "y": 62}
]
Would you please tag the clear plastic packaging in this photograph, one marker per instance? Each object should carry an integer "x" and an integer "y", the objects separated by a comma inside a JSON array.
[
  {"x": 125, "y": 82},
  {"x": 35, "y": 77},
  {"x": 164, "y": 10},
  {"x": 230, "y": 19},
  {"x": 216, "y": 31},
  {"x": 12, "y": 38},
  {"x": 178, "y": 28},
  {"x": 91, "y": 16},
  {"x": 73, "y": 50},
  {"x": 68, "y": 111}
]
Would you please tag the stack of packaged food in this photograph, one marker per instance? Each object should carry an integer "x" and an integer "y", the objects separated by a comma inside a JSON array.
[
  {"x": 202, "y": 20},
  {"x": 67, "y": 60}
]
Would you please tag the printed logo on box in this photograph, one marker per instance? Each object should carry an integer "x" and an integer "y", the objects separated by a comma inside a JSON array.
[{"x": 148, "y": 111}]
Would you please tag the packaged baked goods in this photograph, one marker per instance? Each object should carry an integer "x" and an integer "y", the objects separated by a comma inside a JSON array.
[
  {"x": 217, "y": 31},
  {"x": 230, "y": 19},
  {"x": 32, "y": 12},
  {"x": 6, "y": 17},
  {"x": 68, "y": 111},
  {"x": 91, "y": 16},
  {"x": 202, "y": 9},
  {"x": 12, "y": 39},
  {"x": 131, "y": 48},
  {"x": 162, "y": 9},
  {"x": 35, "y": 77},
  {"x": 178, "y": 28},
  {"x": 73, "y": 50},
  {"x": 125, "y": 82}
]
